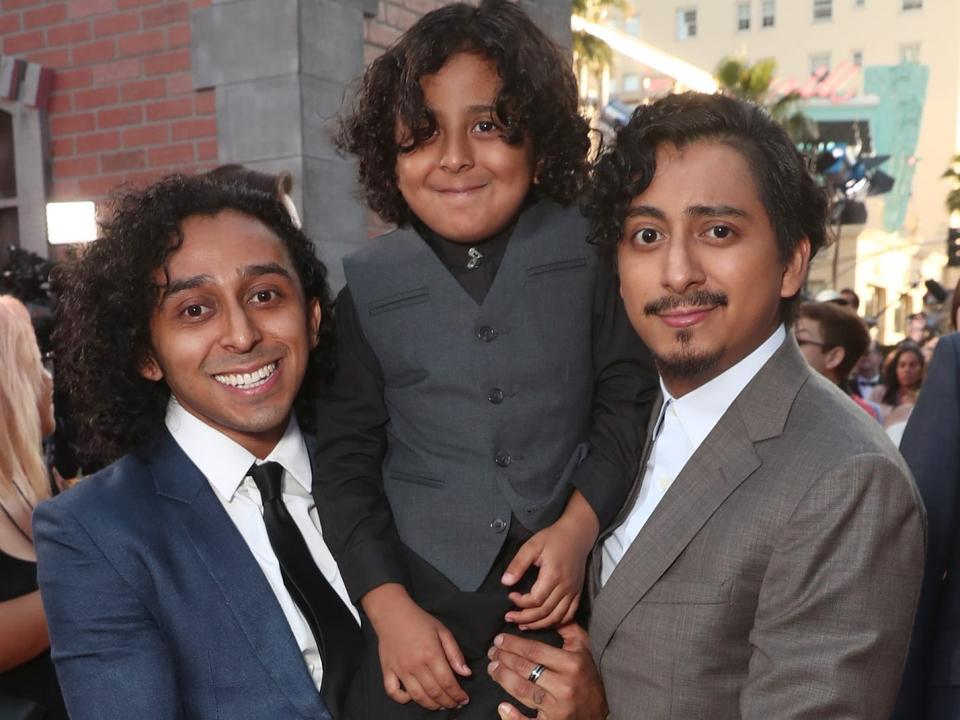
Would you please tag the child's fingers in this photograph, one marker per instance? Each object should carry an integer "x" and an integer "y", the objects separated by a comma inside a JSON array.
[
  {"x": 533, "y": 614},
  {"x": 571, "y": 611},
  {"x": 441, "y": 685},
  {"x": 551, "y": 620},
  {"x": 417, "y": 692},
  {"x": 526, "y": 556},
  {"x": 393, "y": 688},
  {"x": 545, "y": 586},
  {"x": 454, "y": 656}
]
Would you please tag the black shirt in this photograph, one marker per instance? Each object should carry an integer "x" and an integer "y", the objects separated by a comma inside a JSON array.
[{"x": 351, "y": 418}]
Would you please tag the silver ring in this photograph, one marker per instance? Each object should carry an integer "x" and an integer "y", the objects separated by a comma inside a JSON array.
[{"x": 535, "y": 673}]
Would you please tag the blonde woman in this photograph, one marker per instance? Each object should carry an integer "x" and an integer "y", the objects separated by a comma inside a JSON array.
[{"x": 26, "y": 416}]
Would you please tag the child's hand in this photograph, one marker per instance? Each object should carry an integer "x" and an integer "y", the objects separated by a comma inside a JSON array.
[
  {"x": 560, "y": 551},
  {"x": 416, "y": 651}
]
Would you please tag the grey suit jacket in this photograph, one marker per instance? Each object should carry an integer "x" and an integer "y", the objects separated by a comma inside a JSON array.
[{"x": 779, "y": 575}]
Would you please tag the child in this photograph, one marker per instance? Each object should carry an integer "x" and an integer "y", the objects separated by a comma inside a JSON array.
[{"x": 482, "y": 349}]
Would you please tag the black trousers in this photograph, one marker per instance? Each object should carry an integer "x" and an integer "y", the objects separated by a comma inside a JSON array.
[{"x": 474, "y": 618}]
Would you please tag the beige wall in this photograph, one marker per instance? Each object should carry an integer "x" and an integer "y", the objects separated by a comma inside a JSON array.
[{"x": 878, "y": 29}]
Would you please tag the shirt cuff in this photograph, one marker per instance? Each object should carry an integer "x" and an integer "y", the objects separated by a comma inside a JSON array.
[
  {"x": 369, "y": 565},
  {"x": 602, "y": 486}
]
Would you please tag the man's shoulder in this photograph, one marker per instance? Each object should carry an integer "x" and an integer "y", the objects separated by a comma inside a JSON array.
[
  {"x": 830, "y": 428},
  {"x": 384, "y": 249},
  {"x": 111, "y": 492}
]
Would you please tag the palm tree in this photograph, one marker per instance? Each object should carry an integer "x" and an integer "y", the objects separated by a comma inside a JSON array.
[
  {"x": 953, "y": 173},
  {"x": 589, "y": 52},
  {"x": 752, "y": 82}
]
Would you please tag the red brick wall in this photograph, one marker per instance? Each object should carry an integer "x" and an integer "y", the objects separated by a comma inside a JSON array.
[{"x": 123, "y": 107}]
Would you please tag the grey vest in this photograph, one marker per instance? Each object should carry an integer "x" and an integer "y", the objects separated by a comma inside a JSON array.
[{"x": 490, "y": 404}]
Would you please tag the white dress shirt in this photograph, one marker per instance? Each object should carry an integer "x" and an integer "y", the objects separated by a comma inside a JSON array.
[
  {"x": 683, "y": 425},
  {"x": 225, "y": 464}
]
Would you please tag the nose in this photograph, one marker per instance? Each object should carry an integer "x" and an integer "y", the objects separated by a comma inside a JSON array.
[
  {"x": 456, "y": 153},
  {"x": 682, "y": 269},
  {"x": 240, "y": 331}
]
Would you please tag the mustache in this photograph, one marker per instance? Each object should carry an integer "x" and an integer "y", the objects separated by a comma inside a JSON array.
[{"x": 697, "y": 298}]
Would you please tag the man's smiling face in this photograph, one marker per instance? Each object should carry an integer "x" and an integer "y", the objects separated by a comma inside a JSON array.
[
  {"x": 232, "y": 332},
  {"x": 701, "y": 273}
]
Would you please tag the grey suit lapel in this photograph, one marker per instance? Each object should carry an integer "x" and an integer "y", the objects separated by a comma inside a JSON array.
[
  {"x": 723, "y": 461},
  {"x": 224, "y": 554}
]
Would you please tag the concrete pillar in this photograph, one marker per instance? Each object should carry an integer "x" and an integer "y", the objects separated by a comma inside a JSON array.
[
  {"x": 281, "y": 70},
  {"x": 553, "y": 17}
]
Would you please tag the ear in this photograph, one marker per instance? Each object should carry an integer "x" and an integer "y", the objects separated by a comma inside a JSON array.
[
  {"x": 795, "y": 271},
  {"x": 314, "y": 316},
  {"x": 150, "y": 369},
  {"x": 834, "y": 357}
]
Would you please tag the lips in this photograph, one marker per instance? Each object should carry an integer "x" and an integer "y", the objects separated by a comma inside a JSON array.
[
  {"x": 460, "y": 191},
  {"x": 686, "y": 317}
]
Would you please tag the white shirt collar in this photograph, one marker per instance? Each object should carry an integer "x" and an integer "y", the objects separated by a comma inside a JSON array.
[
  {"x": 224, "y": 462},
  {"x": 701, "y": 409}
]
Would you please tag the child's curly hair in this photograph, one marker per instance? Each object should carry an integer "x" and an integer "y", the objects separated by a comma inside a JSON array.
[{"x": 537, "y": 99}]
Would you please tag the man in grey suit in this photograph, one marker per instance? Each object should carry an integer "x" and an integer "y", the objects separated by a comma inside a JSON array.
[{"x": 768, "y": 561}]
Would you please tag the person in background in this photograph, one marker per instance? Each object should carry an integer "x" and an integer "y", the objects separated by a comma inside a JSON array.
[
  {"x": 928, "y": 347},
  {"x": 931, "y": 447},
  {"x": 26, "y": 416},
  {"x": 867, "y": 377},
  {"x": 833, "y": 338},
  {"x": 280, "y": 184},
  {"x": 902, "y": 377},
  {"x": 853, "y": 300},
  {"x": 917, "y": 330},
  {"x": 903, "y": 373}
]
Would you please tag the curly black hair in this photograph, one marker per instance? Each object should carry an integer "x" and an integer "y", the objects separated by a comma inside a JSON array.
[
  {"x": 537, "y": 99},
  {"x": 107, "y": 297},
  {"x": 796, "y": 205}
]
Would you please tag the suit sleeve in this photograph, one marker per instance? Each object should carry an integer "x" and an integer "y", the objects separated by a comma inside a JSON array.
[
  {"x": 837, "y": 600},
  {"x": 931, "y": 447},
  {"x": 625, "y": 386},
  {"x": 110, "y": 657},
  {"x": 357, "y": 522}
]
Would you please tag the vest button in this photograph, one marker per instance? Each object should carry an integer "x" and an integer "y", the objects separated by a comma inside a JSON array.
[
  {"x": 499, "y": 525},
  {"x": 503, "y": 459},
  {"x": 486, "y": 333},
  {"x": 495, "y": 396}
]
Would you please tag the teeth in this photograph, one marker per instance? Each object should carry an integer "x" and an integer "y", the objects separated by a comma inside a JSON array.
[{"x": 248, "y": 381}]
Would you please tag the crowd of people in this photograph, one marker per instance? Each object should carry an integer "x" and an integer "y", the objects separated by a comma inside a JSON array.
[{"x": 570, "y": 443}]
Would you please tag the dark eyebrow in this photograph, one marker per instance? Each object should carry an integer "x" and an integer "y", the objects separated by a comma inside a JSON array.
[
  {"x": 177, "y": 286},
  {"x": 692, "y": 211},
  {"x": 266, "y": 269},
  {"x": 646, "y": 211},
  {"x": 481, "y": 108},
  {"x": 715, "y": 211}
]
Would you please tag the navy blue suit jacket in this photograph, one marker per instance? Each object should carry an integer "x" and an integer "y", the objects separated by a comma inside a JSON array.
[
  {"x": 931, "y": 446},
  {"x": 156, "y": 606}
]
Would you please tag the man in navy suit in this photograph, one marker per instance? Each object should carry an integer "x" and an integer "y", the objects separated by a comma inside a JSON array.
[
  {"x": 931, "y": 447},
  {"x": 186, "y": 335}
]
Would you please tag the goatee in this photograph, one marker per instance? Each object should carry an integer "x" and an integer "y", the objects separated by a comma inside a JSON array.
[{"x": 685, "y": 363}]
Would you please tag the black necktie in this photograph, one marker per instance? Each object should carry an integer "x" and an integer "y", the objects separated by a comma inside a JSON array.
[{"x": 334, "y": 627}]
